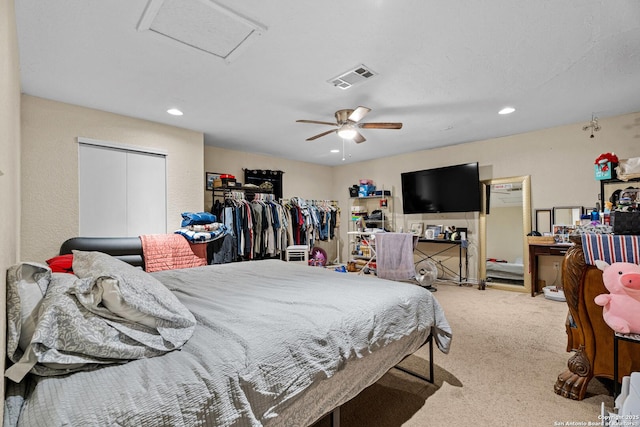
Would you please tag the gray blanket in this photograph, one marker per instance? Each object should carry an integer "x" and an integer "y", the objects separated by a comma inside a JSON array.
[
  {"x": 267, "y": 333},
  {"x": 111, "y": 312}
]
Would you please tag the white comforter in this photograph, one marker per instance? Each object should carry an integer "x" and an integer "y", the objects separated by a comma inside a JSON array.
[{"x": 267, "y": 333}]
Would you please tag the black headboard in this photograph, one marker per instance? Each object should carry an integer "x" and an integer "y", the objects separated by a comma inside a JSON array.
[{"x": 127, "y": 249}]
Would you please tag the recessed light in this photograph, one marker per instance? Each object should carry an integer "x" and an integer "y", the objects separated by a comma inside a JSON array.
[
  {"x": 174, "y": 112},
  {"x": 335, "y": 150},
  {"x": 507, "y": 110}
]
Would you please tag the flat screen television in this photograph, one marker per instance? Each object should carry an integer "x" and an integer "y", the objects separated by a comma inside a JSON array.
[{"x": 447, "y": 189}]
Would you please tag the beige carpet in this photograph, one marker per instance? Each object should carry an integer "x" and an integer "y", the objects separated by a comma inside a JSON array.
[{"x": 507, "y": 350}]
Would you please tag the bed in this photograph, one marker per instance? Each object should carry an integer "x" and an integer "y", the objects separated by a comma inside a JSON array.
[
  {"x": 274, "y": 343},
  {"x": 503, "y": 270}
]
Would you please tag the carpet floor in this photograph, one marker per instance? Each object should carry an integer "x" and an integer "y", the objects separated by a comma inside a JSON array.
[{"x": 507, "y": 351}]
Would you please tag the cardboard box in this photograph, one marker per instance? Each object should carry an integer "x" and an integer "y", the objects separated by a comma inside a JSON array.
[{"x": 224, "y": 182}]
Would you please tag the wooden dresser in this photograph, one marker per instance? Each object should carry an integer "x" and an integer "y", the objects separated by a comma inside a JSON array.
[{"x": 588, "y": 336}]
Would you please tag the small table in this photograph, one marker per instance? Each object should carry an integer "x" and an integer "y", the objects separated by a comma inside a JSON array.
[
  {"x": 541, "y": 249},
  {"x": 450, "y": 244}
]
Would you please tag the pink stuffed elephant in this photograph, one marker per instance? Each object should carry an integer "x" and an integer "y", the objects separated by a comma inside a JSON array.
[{"x": 621, "y": 306}]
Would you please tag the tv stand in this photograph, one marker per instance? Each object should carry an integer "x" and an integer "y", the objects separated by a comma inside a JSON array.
[{"x": 450, "y": 244}]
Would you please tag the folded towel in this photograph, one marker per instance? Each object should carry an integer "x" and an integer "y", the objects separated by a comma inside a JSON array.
[{"x": 394, "y": 255}]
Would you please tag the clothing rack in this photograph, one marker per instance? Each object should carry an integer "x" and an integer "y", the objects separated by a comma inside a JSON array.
[
  {"x": 315, "y": 219},
  {"x": 244, "y": 193},
  {"x": 267, "y": 197},
  {"x": 322, "y": 203},
  {"x": 251, "y": 240},
  {"x": 235, "y": 195},
  {"x": 241, "y": 195},
  {"x": 313, "y": 202}
]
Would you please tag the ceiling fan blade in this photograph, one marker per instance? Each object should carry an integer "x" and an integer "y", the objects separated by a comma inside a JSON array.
[
  {"x": 359, "y": 138},
  {"x": 320, "y": 134},
  {"x": 358, "y": 114},
  {"x": 380, "y": 125},
  {"x": 317, "y": 122}
]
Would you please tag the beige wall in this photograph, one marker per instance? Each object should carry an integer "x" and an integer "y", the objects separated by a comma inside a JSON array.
[
  {"x": 9, "y": 159},
  {"x": 50, "y": 167},
  {"x": 559, "y": 161},
  {"x": 301, "y": 179}
]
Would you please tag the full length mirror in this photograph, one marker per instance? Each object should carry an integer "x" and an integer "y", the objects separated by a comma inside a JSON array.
[{"x": 505, "y": 221}]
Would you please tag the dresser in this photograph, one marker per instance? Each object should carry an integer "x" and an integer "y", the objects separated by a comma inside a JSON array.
[{"x": 589, "y": 338}]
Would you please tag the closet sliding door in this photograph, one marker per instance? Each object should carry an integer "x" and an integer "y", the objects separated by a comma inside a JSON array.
[
  {"x": 146, "y": 194},
  {"x": 122, "y": 191}
]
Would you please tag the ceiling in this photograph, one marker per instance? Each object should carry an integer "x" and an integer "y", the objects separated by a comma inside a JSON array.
[{"x": 443, "y": 68}]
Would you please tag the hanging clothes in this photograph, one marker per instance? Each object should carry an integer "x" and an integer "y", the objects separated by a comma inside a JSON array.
[
  {"x": 311, "y": 220},
  {"x": 263, "y": 227}
]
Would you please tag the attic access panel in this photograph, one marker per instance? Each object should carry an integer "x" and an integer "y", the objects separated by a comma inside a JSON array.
[{"x": 203, "y": 25}]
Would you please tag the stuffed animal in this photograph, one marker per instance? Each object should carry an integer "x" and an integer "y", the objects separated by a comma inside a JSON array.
[{"x": 621, "y": 306}]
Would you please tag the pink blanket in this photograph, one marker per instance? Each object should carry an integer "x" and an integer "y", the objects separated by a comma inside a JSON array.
[{"x": 171, "y": 251}]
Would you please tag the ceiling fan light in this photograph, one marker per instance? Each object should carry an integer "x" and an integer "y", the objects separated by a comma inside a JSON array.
[{"x": 347, "y": 132}]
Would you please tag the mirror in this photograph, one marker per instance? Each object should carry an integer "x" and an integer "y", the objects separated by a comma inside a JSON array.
[
  {"x": 567, "y": 215},
  {"x": 543, "y": 221},
  {"x": 503, "y": 233}
]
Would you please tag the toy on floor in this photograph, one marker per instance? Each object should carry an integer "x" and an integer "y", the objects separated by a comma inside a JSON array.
[
  {"x": 621, "y": 306},
  {"x": 318, "y": 257}
]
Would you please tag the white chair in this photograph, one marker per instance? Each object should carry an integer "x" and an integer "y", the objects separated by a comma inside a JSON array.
[{"x": 295, "y": 252}]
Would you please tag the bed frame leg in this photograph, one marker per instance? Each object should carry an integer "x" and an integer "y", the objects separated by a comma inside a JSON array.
[
  {"x": 431, "y": 374},
  {"x": 335, "y": 417}
]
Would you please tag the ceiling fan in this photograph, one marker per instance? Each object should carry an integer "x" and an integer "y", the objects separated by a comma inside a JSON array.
[{"x": 347, "y": 123}]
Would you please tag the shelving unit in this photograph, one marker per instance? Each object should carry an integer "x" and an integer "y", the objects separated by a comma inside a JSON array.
[
  {"x": 364, "y": 243},
  {"x": 361, "y": 243},
  {"x": 613, "y": 184}
]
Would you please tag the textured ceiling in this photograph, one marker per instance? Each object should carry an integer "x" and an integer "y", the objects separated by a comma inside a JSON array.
[{"x": 443, "y": 68}]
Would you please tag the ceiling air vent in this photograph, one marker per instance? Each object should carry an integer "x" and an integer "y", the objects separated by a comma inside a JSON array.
[{"x": 359, "y": 74}]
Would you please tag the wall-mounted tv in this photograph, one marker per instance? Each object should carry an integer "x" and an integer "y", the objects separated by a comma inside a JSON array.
[{"x": 447, "y": 189}]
